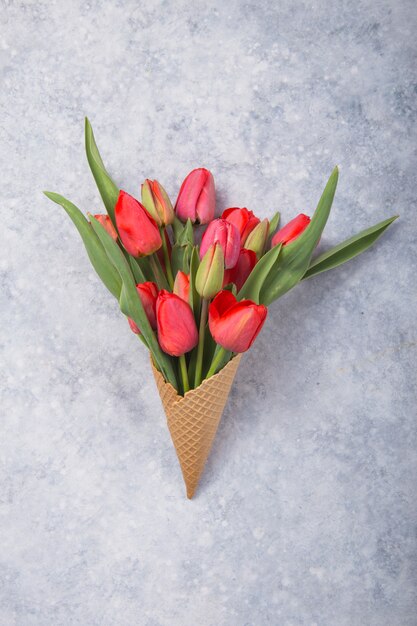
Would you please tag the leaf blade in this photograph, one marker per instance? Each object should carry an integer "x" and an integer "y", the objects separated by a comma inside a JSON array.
[
  {"x": 348, "y": 249},
  {"x": 130, "y": 303},
  {"x": 95, "y": 250},
  {"x": 105, "y": 184},
  {"x": 295, "y": 257},
  {"x": 273, "y": 224},
  {"x": 253, "y": 285}
]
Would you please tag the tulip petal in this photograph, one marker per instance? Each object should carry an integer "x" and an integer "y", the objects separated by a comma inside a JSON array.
[
  {"x": 138, "y": 231},
  {"x": 235, "y": 325},
  {"x": 177, "y": 330},
  {"x": 244, "y": 220},
  {"x": 196, "y": 197},
  {"x": 241, "y": 271},
  {"x": 227, "y": 235},
  {"x": 224, "y": 301}
]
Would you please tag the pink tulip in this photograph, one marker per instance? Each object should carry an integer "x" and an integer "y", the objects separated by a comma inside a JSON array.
[
  {"x": 227, "y": 235},
  {"x": 196, "y": 199}
]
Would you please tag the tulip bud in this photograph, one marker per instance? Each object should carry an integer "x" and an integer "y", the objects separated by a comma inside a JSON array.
[
  {"x": 235, "y": 325},
  {"x": 244, "y": 220},
  {"x": 182, "y": 286},
  {"x": 196, "y": 199},
  {"x": 227, "y": 235},
  {"x": 156, "y": 201},
  {"x": 241, "y": 271},
  {"x": 257, "y": 239},
  {"x": 209, "y": 277},
  {"x": 138, "y": 231},
  {"x": 291, "y": 231},
  {"x": 148, "y": 293},
  {"x": 106, "y": 222},
  {"x": 177, "y": 330}
]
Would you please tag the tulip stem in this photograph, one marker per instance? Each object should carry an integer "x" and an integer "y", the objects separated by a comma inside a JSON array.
[
  {"x": 157, "y": 272},
  {"x": 184, "y": 374},
  {"x": 167, "y": 259},
  {"x": 217, "y": 361},
  {"x": 200, "y": 349}
]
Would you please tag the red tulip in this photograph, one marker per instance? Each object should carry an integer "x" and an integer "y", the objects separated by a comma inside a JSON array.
[
  {"x": 235, "y": 325},
  {"x": 244, "y": 220},
  {"x": 227, "y": 235},
  {"x": 177, "y": 330},
  {"x": 148, "y": 293},
  {"x": 196, "y": 199},
  {"x": 182, "y": 286},
  {"x": 138, "y": 231},
  {"x": 106, "y": 222},
  {"x": 240, "y": 272},
  {"x": 291, "y": 231}
]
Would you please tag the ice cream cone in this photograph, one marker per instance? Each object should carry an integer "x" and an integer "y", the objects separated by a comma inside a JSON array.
[{"x": 193, "y": 419}]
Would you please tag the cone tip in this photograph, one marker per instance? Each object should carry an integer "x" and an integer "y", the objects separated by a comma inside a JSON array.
[{"x": 190, "y": 492}]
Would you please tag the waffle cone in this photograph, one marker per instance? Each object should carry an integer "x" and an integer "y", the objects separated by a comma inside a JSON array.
[{"x": 193, "y": 419}]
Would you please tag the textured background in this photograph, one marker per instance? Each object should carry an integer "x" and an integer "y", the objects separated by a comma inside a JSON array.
[{"x": 307, "y": 511}]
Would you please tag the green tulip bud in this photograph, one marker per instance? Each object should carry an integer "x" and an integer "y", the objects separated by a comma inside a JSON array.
[
  {"x": 257, "y": 238},
  {"x": 156, "y": 201},
  {"x": 210, "y": 274}
]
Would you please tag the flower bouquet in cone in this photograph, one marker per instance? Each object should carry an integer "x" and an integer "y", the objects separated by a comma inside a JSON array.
[{"x": 195, "y": 287}]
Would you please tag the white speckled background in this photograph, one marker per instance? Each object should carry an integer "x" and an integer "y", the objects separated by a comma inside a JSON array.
[{"x": 307, "y": 512}]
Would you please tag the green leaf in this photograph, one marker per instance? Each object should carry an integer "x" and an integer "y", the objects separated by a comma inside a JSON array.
[
  {"x": 210, "y": 347},
  {"x": 94, "y": 247},
  {"x": 194, "y": 296},
  {"x": 252, "y": 288},
  {"x": 348, "y": 249},
  {"x": 138, "y": 274},
  {"x": 225, "y": 358},
  {"x": 105, "y": 184},
  {"x": 187, "y": 234},
  {"x": 177, "y": 227},
  {"x": 273, "y": 224},
  {"x": 192, "y": 366},
  {"x": 295, "y": 257},
  {"x": 130, "y": 303},
  {"x": 230, "y": 287},
  {"x": 180, "y": 258},
  {"x": 141, "y": 269}
]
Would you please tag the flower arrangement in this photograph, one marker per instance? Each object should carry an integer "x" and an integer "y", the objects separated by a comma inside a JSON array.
[{"x": 195, "y": 287}]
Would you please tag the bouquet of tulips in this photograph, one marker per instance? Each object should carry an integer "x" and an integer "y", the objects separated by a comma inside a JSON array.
[{"x": 195, "y": 287}]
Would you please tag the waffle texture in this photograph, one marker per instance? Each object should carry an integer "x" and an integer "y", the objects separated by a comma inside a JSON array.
[{"x": 193, "y": 419}]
